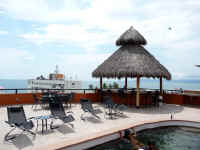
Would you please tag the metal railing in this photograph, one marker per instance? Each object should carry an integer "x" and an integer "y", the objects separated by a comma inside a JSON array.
[{"x": 30, "y": 90}]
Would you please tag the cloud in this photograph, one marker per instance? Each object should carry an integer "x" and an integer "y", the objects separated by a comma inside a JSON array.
[
  {"x": 3, "y": 32},
  {"x": 16, "y": 63},
  {"x": 170, "y": 27},
  {"x": 42, "y": 10},
  {"x": 80, "y": 65},
  {"x": 86, "y": 38},
  {"x": 13, "y": 55},
  {"x": 115, "y": 19}
]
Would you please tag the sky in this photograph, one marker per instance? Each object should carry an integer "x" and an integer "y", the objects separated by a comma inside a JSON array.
[{"x": 78, "y": 35}]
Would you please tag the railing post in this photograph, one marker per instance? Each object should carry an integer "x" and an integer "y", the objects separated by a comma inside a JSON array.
[
  {"x": 101, "y": 83},
  {"x": 16, "y": 91},
  {"x": 138, "y": 92},
  {"x": 125, "y": 86}
]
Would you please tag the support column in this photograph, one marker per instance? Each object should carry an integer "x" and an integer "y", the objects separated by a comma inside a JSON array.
[
  {"x": 101, "y": 83},
  {"x": 125, "y": 86},
  {"x": 161, "y": 86},
  {"x": 138, "y": 92}
]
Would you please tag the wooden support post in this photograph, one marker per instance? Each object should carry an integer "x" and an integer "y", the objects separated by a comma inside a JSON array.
[
  {"x": 101, "y": 83},
  {"x": 125, "y": 86},
  {"x": 138, "y": 92},
  {"x": 161, "y": 87}
]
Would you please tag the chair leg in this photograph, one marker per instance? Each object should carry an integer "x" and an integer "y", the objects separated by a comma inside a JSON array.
[
  {"x": 8, "y": 137},
  {"x": 37, "y": 125},
  {"x": 72, "y": 125},
  {"x": 51, "y": 125},
  {"x": 82, "y": 117},
  {"x": 30, "y": 132},
  {"x": 70, "y": 105}
]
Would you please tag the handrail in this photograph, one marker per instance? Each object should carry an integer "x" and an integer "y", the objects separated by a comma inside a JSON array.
[{"x": 84, "y": 90}]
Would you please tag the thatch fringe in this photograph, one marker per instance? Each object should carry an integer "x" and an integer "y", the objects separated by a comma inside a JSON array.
[{"x": 131, "y": 61}]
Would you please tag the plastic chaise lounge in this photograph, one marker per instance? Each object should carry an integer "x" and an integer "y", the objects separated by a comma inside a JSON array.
[
  {"x": 17, "y": 119},
  {"x": 58, "y": 112},
  {"x": 112, "y": 109},
  {"x": 87, "y": 107}
]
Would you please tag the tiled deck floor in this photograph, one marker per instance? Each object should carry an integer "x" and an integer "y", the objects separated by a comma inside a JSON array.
[{"x": 91, "y": 126}]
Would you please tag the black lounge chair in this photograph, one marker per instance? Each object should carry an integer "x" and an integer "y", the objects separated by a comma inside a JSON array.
[
  {"x": 71, "y": 97},
  {"x": 38, "y": 101},
  {"x": 17, "y": 119},
  {"x": 87, "y": 107},
  {"x": 112, "y": 109},
  {"x": 58, "y": 112},
  {"x": 155, "y": 98},
  {"x": 66, "y": 98}
]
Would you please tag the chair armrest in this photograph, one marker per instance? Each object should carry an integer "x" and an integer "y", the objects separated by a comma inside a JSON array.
[
  {"x": 31, "y": 118},
  {"x": 96, "y": 106},
  {"x": 7, "y": 122},
  {"x": 70, "y": 112},
  {"x": 12, "y": 125}
]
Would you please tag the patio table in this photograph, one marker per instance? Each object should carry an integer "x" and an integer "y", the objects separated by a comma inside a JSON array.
[{"x": 44, "y": 119}]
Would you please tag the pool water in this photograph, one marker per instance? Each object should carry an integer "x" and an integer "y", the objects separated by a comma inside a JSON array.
[{"x": 165, "y": 138}]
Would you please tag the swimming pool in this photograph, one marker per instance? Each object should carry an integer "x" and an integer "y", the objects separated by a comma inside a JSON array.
[{"x": 166, "y": 138}]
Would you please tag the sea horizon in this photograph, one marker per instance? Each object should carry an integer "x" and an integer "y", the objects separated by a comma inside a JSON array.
[{"x": 186, "y": 84}]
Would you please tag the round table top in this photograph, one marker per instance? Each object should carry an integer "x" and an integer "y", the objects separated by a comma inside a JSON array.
[{"x": 44, "y": 117}]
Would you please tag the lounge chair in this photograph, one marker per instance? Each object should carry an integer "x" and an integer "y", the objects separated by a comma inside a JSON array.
[
  {"x": 58, "y": 112},
  {"x": 87, "y": 107},
  {"x": 112, "y": 109},
  {"x": 38, "y": 101},
  {"x": 155, "y": 98},
  {"x": 66, "y": 98},
  {"x": 71, "y": 97},
  {"x": 17, "y": 119}
]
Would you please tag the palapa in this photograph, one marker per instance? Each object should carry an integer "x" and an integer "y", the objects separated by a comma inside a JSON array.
[{"x": 131, "y": 60}]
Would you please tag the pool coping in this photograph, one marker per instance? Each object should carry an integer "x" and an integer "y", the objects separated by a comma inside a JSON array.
[{"x": 91, "y": 140}]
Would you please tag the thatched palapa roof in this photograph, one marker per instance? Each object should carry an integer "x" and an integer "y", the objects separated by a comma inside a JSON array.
[
  {"x": 131, "y": 36},
  {"x": 131, "y": 60}
]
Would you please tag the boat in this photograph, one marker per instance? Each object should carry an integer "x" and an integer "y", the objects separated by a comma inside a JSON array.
[{"x": 55, "y": 81}]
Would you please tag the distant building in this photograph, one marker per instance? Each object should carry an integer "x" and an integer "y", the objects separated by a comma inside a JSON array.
[{"x": 55, "y": 81}]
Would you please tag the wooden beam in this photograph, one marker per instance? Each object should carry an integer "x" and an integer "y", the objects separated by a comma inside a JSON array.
[
  {"x": 161, "y": 86},
  {"x": 125, "y": 86},
  {"x": 101, "y": 85},
  {"x": 138, "y": 92}
]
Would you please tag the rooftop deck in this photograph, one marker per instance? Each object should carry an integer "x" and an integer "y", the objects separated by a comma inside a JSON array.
[{"x": 91, "y": 128}]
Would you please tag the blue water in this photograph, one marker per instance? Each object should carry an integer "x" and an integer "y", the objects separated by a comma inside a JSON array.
[
  {"x": 13, "y": 84},
  {"x": 166, "y": 138},
  {"x": 144, "y": 83},
  {"x": 151, "y": 84}
]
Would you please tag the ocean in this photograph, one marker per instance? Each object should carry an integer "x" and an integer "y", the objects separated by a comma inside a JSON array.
[
  {"x": 152, "y": 84},
  {"x": 144, "y": 83}
]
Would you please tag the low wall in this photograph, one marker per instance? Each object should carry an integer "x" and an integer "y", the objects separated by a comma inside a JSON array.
[
  {"x": 27, "y": 98},
  {"x": 182, "y": 99},
  {"x": 190, "y": 91},
  {"x": 128, "y": 98}
]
